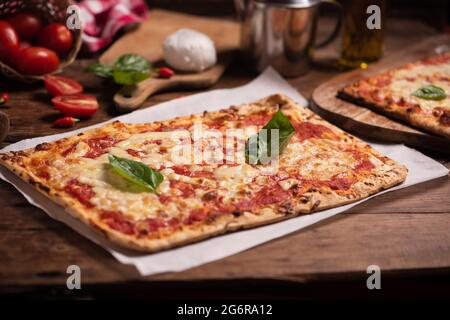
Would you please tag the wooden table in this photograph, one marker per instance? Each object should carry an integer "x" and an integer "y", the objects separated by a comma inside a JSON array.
[{"x": 405, "y": 232}]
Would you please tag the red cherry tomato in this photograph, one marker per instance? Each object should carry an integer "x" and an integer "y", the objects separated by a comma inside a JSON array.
[
  {"x": 9, "y": 43},
  {"x": 166, "y": 73},
  {"x": 37, "y": 61},
  {"x": 61, "y": 86},
  {"x": 56, "y": 37},
  {"x": 4, "y": 98},
  {"x": 65, "y": 122},
  {"x": 78, "y": 106},
  {"x": 27, "y": 25}
]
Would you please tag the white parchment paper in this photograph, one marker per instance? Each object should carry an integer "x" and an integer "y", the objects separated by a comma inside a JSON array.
[{"x": 421, "y": 168}]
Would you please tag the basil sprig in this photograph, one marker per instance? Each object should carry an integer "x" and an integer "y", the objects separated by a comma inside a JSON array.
[
  {"x": 128, "y": 70},
  {"x": 430, "y": 92},
  {"x": 136, "y": 172},
  {"x": 258, "y": 148}
]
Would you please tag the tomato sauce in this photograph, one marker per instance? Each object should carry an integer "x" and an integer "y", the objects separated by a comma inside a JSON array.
[
  {"x": 307, "y": 130},
  {"x": 81, "y": 191},
  {"x": 116, "y": 220},
  {"x": 186, "y": 189},
  {"x": 99, "y": 146}
]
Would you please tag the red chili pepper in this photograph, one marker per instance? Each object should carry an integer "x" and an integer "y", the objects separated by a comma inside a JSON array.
[
  {"x": 165, "y": 72},
  {"x": 4, "y": 98},
  {"x": 65, "y": 122}
]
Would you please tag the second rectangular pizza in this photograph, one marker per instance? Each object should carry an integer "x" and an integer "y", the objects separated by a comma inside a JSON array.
[{"x": 159, "y": 185}]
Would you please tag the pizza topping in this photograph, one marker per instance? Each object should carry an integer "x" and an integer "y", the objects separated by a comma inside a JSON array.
[
  {"x": 185, "y": 188},
  {"x": 430, "y": 92},
  {"x": 341, "y": 183},
  {"x": 364, "y": 165},
  {"x": 196, "y": 215},
  {"x": 99, "y": 146},
  {"x": 255, "y": 119},
  {"x": 134, "y": 153},
  {"x": 187, "y": 171},
  {"x": 306, "y": 130},
  {"x": 117, "y": 221},
  {"x": 154, "y": 224},
  {"x": 409, "y": 106},
  {"x": 43, "y": 173},
  {"x": 270, "y": 194},
  {"x": 439, "y": 59},
  {"x": 136, "y": 172},
  {"x": 382, "y": 81},
  {"x": 156, "y": 141},
  {"x": 81, "y": 191},
  {"x": 258, "y": 148}
]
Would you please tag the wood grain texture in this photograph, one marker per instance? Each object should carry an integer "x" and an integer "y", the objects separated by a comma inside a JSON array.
[
  {"x": 147, "y": 41},
  {"x": 405, "y": 231},
  {"x": 368, "y": 123},
  {"x": 130, "y": 98}
]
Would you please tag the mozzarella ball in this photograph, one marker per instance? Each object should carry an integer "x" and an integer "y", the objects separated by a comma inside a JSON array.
[{"x": 189, "y": 50}]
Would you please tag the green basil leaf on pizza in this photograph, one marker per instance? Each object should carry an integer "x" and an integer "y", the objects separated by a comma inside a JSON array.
[
  {"x": 270, "y": 142},
  {"x": 430, "y": 92},
  {"x": 136, "y": 172}
]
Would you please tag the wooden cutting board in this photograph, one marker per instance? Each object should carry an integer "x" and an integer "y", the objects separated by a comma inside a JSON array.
[
  {"x": 367, "y": 123},
  {"x": 148, "y": 38},
  {"x": 147, "y": 41}
]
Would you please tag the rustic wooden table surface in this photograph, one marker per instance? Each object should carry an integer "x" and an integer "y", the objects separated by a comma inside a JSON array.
[{"x": 404, "y": 232}]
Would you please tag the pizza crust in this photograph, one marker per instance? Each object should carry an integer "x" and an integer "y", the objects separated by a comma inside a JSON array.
[
  {"x": 390, "y": 175},
  {"x": 418, "y": 120}
]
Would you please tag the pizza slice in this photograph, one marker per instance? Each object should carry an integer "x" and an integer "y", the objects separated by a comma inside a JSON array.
[
  {"x": 158, "y": 185},
  {"x": 416, "y": 93}
]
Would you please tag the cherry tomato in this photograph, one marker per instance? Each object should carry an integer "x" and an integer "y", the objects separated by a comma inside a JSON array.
[
  {"x": 78, "y": 106},
  {"x": 27, "y": 25},
  {"x": 4, "y": 98},
  {"x": 65, "y": 122},
  {"x": 37, "y": 61},
  {"x": 56, "y": 37},
  {"x": 9, "y": 43},
  {"x": 166, "y": 73},
  {"x": 61, "y": 86}
]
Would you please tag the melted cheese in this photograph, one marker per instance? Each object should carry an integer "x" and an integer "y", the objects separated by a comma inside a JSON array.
[{"x": 406, "y": 81}]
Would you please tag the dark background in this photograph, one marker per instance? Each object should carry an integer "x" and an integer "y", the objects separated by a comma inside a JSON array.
[{"x": 433, "y": 12}]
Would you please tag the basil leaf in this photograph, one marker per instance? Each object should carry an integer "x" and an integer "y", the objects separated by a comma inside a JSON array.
[
  {"x": 259, "y": 146},
  {"x": 128, "y": 78},
  {"x": 430, "y": 92},
  {"x": 101, "y": 70},
  {"x": 130, "y": 69},
  {"x": 136, "y": 172}
]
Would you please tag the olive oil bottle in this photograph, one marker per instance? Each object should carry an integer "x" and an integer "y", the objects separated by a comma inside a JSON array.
[{"x": 362, "y": 39}]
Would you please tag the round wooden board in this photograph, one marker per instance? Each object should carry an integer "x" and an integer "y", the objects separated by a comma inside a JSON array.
[{"x": 367, "y": 123}]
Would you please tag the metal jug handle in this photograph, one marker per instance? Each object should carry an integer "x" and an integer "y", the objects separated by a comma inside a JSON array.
[{"x": 337, "y": 27}]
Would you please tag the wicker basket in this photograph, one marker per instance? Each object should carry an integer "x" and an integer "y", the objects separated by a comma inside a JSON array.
[{"x": 50, "y": 11}]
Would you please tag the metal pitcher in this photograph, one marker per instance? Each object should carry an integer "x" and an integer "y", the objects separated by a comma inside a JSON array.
[{"x": 281, "y": 33}]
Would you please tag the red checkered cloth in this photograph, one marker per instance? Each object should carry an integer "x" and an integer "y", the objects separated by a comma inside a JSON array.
[{"x": 102, "y": 19}]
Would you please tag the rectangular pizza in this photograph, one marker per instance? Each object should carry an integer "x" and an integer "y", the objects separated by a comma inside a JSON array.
[
  {"x": 417, "y": 93},
  {"x": 158, "y": 185}
]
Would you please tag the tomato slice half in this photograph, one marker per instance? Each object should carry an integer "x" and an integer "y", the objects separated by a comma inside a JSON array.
[
  {"x": 61, "y": 86},
  {"x": 77, "y": 106}
]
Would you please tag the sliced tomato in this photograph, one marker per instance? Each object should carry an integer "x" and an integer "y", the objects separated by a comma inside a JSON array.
[
  {"x": 77, "y": 106},
  {"x": 61, "y": 86}
]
